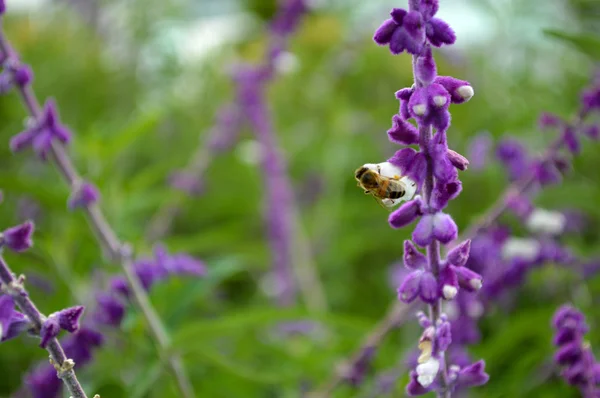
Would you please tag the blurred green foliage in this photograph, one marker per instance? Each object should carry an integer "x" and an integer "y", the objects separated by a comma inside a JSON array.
[{"x": 138, "y": 111}]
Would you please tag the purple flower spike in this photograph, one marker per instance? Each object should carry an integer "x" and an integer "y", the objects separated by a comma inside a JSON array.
[
  {"x": 460, "y": 90},
  {"x": 406, "y": 214},
  {"x": 414, "y": 388},
  {"x": 68, "y": 319},
  {"x": 473, "y": 375},
  {"x": 402, "y": 132},
  {"x": 2, "y": 7},
  {"x": 413, "y": 258},
  {"x": 23, "y": 75},
  {"x": 460, "y": 254},
  {"x": 83, "y": 195},
  {"x": 18, "y": 238}
]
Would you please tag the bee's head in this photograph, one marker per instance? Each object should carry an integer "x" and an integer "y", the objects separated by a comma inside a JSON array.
[{"x": 358, "y": 174}]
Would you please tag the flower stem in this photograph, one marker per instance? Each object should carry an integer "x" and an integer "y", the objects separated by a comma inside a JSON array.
[
  {"x": 64, "y": 366},
  {"x": 112, "y": 247}
]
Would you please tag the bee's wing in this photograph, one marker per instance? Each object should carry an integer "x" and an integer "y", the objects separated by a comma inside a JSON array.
[{"x": 382, "y": 203}]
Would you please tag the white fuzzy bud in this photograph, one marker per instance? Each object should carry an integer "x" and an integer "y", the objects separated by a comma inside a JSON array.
[
  {"x": 440, "y": 100},
  {"x": 466, "y": 92},
  {"x": 527, "y": 249},
  {"x": 420, "y": 110},
  {"x": 546, "y": 222},
  {"x": 449, "y": 292}
]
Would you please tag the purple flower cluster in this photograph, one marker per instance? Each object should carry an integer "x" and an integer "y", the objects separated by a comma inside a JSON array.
[
  {"x": 434, "y": 169},
  {"x": 110, "y": 310},
  {"x": 574, "y": 355},
  {"x": 13, "y": 323}
]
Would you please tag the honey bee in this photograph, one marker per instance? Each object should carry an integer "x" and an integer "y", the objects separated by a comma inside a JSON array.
[{"x": 384, "y": 189}]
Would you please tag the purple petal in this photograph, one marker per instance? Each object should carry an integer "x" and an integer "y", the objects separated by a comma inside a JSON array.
[
  {"x": 428, "y": 288},
  {"x": 457, "y": 160},
  {"x": 469, "y": 280},
  {"x": 68, "y": 319},
  {"x": 448, "y": 283},
  {"x": 18, "y": 238},
  {"x": 409, "y": 289},
  {"x": 23, "y": 75},
  {"x": 110, "y": 310},
  {"x": 443, "y": 336},
  {"x": 423, "y": 233},
  {"x": 402, "y": 132},
  {"x": 42, "y": 143},
  {"x": 398, "y": 15},
  {"x": 384, "y": 33},
  {"x": 549, "y": 120},
  {"x": 443, "y": 193},
  {"x": 473, "y": 375},
  {"x": 83, "y": 196},
  {"x": 413, "y": 258},
  {"x": 429, "y": 8},
  {"x": 571, "y": 140},
  {"x": 460, "y": 90},
  {"x": 405, "y": 214},
  {"x": 7, "y": 308},
  {"x": 460, "y": 254},
  {"x": 414, "y": 388},
  {"x": 439, "y": 32},
  {"x": 444, "y": 228},
  {"x": 403, "y": 159},
  {"x": 22, "y": 140},
  {"x": 50, "y": 330}
]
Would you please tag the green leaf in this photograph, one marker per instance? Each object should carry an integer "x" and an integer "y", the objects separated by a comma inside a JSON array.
[
  {"x": 145, "y": 380},
  {"x": 585, "y": 43}
]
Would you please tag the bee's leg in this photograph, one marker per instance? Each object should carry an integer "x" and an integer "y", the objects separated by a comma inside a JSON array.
[
  {"x": 396, "y": 177},
  {"x": 367, "y": 192},
  {"x": 378, "y": 169}
]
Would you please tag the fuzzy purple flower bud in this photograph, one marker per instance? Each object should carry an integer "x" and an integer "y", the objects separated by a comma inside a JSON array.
[
  {"x": 404, "y": 96},
  {"x": 592, "y": 132},
  {"x": 549, "y": 120},
  {"x": 460, "y": 90},
  {"x": 402, "y": 132},
  {"x": 448, "y": 283},
  {"x": 110, "y": 310},
  {"x": 571, "y": 140},
  {"x": 439, "y": 32},
  {"x": 18, "y": 238},
  {"x": 22, "y": 75},
  {"x": 545, "y": 173},
  {"x": 406, "y": 214},
  {"x": 413, "y": 258},
  {"x": 460, "y": 254},
  {"x": 404, "y": 31},
  {"x": 444, "y": 192},
  {"x": 472, "y": 375},
  {"x": 469, "y": 280},
  {"x": 514, "y": 157},
  {"x": 457, "y": 160},
  {"x": 84, "y": 194},
  {"x": 409, "y": 289},
  {"x": 50, "y": 329},
  {"x": 67, "y": 319}
]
